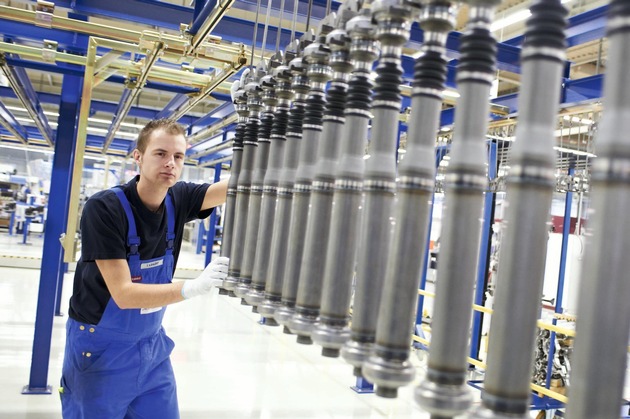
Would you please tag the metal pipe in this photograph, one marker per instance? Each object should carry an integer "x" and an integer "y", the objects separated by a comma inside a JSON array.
[
  {"x": 599, "y": 354},
  {"x": 393, "y": 19},
  {"x": 23, "y": 89},
  {"x": 104, "y": 75},
  {"x": 388, "y": 366},
  {"x": 136, "y": 86},
  {"x": 105, "y": 60},
  {"x": 266, "y": 150},
  {"x": 216, "y": 80},
  {"x": 217, "y": 161},
  {"x": 210, "y": 21},
  {"x": 530, "y": 187},
  {"x": 294, "y": 141},
  {"x": 176, "y": 45},
  {"x": 282, "y": 78},
  {"x": 8, "y": 121},
  {"x": 212, "y": 150},
  {"x": 235, "y": 169},
  {"x": 250, "y": 144},
  {"x": 340, "y": 253},
  {"x": 444, "y": 393},
  {"x": 318, "y": 71},
  {"x": 157, "y": 73},
  {"x": 316, "y": 228},
  {"x": 70, "y": 239},
  {"x": 256, "y": 191}
]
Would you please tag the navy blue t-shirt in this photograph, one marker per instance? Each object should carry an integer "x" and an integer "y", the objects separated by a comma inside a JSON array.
[{"x": 104, "y": 231}]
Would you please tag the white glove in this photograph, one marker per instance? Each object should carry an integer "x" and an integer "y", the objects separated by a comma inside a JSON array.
[
  {"x": 211, "y": 277},
  {"x": 235, "y": 86}
]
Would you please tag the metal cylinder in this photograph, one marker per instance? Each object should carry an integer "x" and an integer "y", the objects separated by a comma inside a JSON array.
[
  {"x": 237, "y": 154},
  {"x": 600, "y": 351},
  {"x": 530, "y": 187},
  {"x": 282, "y": 77},
  {"x": 255, "y": 104},
  {"x": 388, "y": 366},
  {"x": 314, "y": 232},
  {"x": 393, "y": 19},
  {"x": 239, "y": 224},
  {"x": 340, "y": 249},
  {"x": 270, "y": 101},
  {"x": 286, "y": 180},
  {"x": 318, "y": 72},
  {"x": 443, "y": 392}
]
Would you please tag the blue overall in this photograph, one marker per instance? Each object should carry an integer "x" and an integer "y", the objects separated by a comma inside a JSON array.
[{"x": 121, "y": 368}]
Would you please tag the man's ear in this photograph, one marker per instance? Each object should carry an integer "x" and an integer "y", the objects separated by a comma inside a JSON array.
[{"x": 136, "y": 155}]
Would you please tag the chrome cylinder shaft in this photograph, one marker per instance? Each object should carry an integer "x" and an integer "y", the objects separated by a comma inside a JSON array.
[
  {"x": 318, "y": 72},
  {"x": 282, "y": 217},
  {"x": 600, "y": 353},
  {"x": 393, "y": 19},
  {"x": 243, "y": 185},
  {"x": 345, "y": 212},
  {"x": 444, "y": 393},
  {"x": 255, "y": 104},
  {"x": 235, "y": 168},
  {"x": 314, "y": 232},
  {"x": 388, "y": 366},
  {"x": 282, "y": 78},
  {"x": 530, "y": 187}
]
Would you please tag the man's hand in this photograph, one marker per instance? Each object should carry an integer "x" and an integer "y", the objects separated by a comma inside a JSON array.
[{"x": 212, "y": 276}]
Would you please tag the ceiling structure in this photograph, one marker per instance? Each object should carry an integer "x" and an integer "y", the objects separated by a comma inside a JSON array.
[{"x": 179, "y": 58}]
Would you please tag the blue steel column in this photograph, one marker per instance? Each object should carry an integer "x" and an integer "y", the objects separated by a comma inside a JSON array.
[
  {"x": 68, "y": 111},
  {"x": 213, "y": 220},
  {"x": 566, "y": 231},
  {"x": 486, "y": 237},
  {"x": 52, "y": 260},
  {"x": 440, "y": 152}
]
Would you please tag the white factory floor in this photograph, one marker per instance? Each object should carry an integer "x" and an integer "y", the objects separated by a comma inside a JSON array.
[{"x": 227, "y": 365}]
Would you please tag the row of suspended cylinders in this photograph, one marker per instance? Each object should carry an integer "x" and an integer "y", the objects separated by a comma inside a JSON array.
[{"x": 311, "y": 225}]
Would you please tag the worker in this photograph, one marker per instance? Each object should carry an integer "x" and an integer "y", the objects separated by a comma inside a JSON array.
[{"x": 117, "y": 355}]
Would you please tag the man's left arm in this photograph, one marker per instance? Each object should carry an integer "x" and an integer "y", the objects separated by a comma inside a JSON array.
[{"x": 215, "y": 195}]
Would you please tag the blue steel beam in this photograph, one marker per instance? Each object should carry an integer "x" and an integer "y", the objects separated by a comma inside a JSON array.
[
  {"x": 167, "y": 15},
  {"x": 584, "y": 89},
  {"x": 52, "y": 260},
  {"x": 582, "y": 28},
  {"x": 483, "y": 267},
  {"x": 174, "y": 104}
]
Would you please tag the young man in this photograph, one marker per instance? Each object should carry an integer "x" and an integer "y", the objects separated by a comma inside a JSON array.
[{"x": 117, "y": 361}]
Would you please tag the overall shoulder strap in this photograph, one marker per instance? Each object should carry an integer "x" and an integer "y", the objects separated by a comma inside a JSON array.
[
  {"x": 133, "y": 240},
  {"x": 170, "y": 222}
]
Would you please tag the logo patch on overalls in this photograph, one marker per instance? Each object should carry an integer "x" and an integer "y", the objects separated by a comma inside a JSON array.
[
  {"x": 150, "y": 310},
  {"x": 147, "y": 265},
  {"x": 136, "y": 278}
]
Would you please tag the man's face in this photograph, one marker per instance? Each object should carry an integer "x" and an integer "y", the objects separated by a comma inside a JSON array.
[{"x": 163, "y": 160}]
